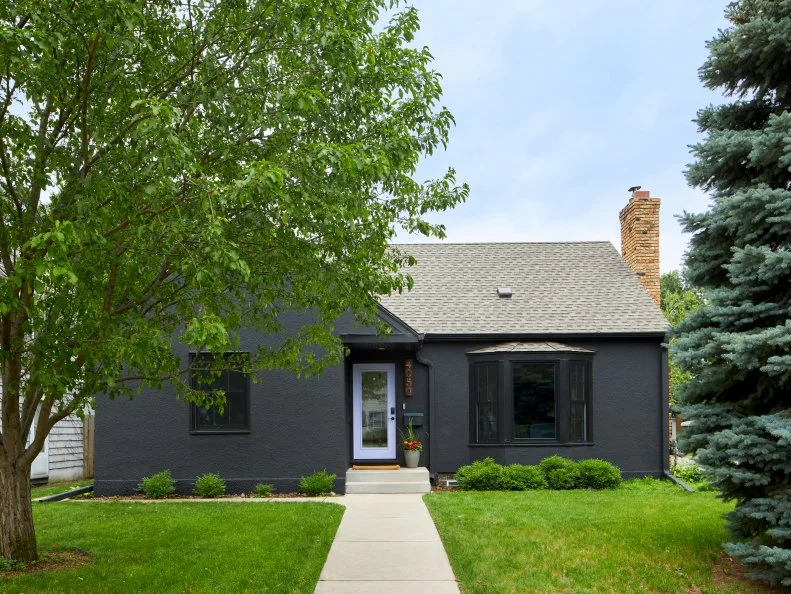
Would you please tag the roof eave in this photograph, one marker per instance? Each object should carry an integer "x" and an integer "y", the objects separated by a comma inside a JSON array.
[{"x": 439, "y": 336}]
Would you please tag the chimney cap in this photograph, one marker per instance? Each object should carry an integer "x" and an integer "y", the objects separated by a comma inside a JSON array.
[{"x": 633, "y": 189}]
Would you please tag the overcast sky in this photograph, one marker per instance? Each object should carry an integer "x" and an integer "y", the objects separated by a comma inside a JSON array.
[{"x": 561, "y": 105}]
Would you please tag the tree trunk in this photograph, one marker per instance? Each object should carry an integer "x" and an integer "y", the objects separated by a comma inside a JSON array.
[{"x": 17, "y": 535}]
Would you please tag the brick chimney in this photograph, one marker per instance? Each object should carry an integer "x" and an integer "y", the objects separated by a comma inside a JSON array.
[{"x": 640, "y": 239}]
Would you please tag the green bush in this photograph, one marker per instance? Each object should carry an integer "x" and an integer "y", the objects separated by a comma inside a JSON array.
[
  {"x": 560, "y": 473},
  {"x": 598, "y": 474},
  {"x": 264, "y": 490},
  {"x": 555, "y": 462},
  {"x": 209, "y": 486},
  {"x": 318, "y": 483},
  {"x": 482, "y": 475},
  {"x": 554, "y": 472},
  {"x": 691, "y": 474},
  {"x": 158, "y": 486},
  {"x": 519, "y": 477},
  {"x": 563, "y": 479},
  {"x": 10, "y": 564}
]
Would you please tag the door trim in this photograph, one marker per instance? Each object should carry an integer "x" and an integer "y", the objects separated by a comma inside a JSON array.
[{"x": 358, "y": 452}]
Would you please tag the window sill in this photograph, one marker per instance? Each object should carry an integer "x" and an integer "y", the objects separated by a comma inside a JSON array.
[
  {"x": 220, "y": 432},
  {"x": 535, "y": 444}
]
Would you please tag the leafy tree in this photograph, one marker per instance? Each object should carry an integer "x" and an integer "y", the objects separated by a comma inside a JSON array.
[
  {"x": 738, "y": 345},
  {"x": 677, "y": 301},
  {"x": 187, "y": 169}
]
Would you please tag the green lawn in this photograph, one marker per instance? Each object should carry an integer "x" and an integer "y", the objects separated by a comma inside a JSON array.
[
  {"x": 184, "y": 547},
  {"x": 649, "y": 536}
]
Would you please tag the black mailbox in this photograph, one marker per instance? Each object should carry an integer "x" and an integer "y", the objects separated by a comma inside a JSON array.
[{"x": 416, "y": 418}]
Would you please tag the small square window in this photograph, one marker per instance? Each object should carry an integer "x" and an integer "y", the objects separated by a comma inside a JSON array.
[{"x": 235, "y": 415}]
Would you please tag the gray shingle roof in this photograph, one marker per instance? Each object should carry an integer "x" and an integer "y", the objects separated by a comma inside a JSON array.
[{"x": 558, "y": 288}]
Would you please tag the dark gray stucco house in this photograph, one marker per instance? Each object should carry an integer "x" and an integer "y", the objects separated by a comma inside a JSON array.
[{"x": 511, "y": 350}]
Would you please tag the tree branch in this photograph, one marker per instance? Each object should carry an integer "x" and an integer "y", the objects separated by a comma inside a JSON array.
[{"x": 86, "y": 88}]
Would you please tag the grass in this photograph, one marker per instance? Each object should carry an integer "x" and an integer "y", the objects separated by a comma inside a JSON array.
[
  {"x": 55, "y": 489},
  {"x": 184, "y": 547},
  {"x": 649, "y": 536}
]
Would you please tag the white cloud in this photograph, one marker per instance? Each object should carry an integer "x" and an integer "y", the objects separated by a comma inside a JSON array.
[{"x": 561, "y": 106}]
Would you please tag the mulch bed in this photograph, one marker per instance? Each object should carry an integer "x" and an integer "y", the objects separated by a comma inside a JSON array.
[
  {"x": 141, "y": 497},
  {"x": 729, "y": 570},
  {"x": 51, "y": 561}
]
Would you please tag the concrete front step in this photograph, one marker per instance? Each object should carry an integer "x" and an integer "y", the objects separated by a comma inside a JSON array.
[
  {"x": 382, "y": 488},
  {"x": 404, "y": 480}
]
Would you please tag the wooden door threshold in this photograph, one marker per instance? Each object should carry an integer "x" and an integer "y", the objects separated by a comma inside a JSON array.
[{"x": 376, "y": 466}]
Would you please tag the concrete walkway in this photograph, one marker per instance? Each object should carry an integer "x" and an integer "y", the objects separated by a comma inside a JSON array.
[{"x": 387, "y": 544}]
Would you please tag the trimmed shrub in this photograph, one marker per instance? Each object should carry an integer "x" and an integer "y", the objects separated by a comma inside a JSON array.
[
  {"x": 519, "y": 477},
  {"x": 158, "y": 486},
  {"x": 560, "y": 473},
  {"x": 563, "y": 479},
  {"x": 263, "y": 490},
  {"x": 598, "y": 474},
  {"x": 555, "y": 462},
  {"x": 209, "y": 486},
  {"x": 481, "y": 475},
  {"x": 318, "y": 483}
]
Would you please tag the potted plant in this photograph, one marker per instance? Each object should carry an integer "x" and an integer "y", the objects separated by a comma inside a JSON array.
[{"x": 411, "y": 446}]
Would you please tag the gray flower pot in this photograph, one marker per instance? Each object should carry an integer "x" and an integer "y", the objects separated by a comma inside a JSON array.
[{"x": 412, "y": 458}]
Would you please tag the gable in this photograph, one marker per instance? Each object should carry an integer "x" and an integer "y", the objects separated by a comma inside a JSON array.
[{"x": 400, "y": 332}]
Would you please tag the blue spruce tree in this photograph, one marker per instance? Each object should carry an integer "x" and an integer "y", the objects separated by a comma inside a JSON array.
[{"x": 738, "y": 345}]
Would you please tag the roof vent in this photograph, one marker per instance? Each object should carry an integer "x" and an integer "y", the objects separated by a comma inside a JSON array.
[{"x": 504, "y": 292}]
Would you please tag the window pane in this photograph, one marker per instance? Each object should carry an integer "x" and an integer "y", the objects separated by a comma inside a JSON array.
[
  {"x": 534, "y": 400},
  {"x": 480, "y": 383},
  {"x": 487, "y": 422},
  {"x": 485, "y": 398},
  {"x": 374, "y": 401},
  {"x": 578, "y": 395},
  {"x": 236, "y": 381},
  {"x": 236, "y": 405},
  {"x": 491, "y": 382},
  {"x": 204, "y": 417}
]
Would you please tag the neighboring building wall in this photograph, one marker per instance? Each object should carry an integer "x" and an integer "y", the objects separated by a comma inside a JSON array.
[
  {"x": 61, "y": 458},
  {"x": 629, "y": 409},
  {"x": 66, "y": 450},
  {"x": 640, "y": 239}
]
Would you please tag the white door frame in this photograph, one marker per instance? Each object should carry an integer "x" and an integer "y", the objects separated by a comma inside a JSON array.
[{"x": 360, "y": 453}]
